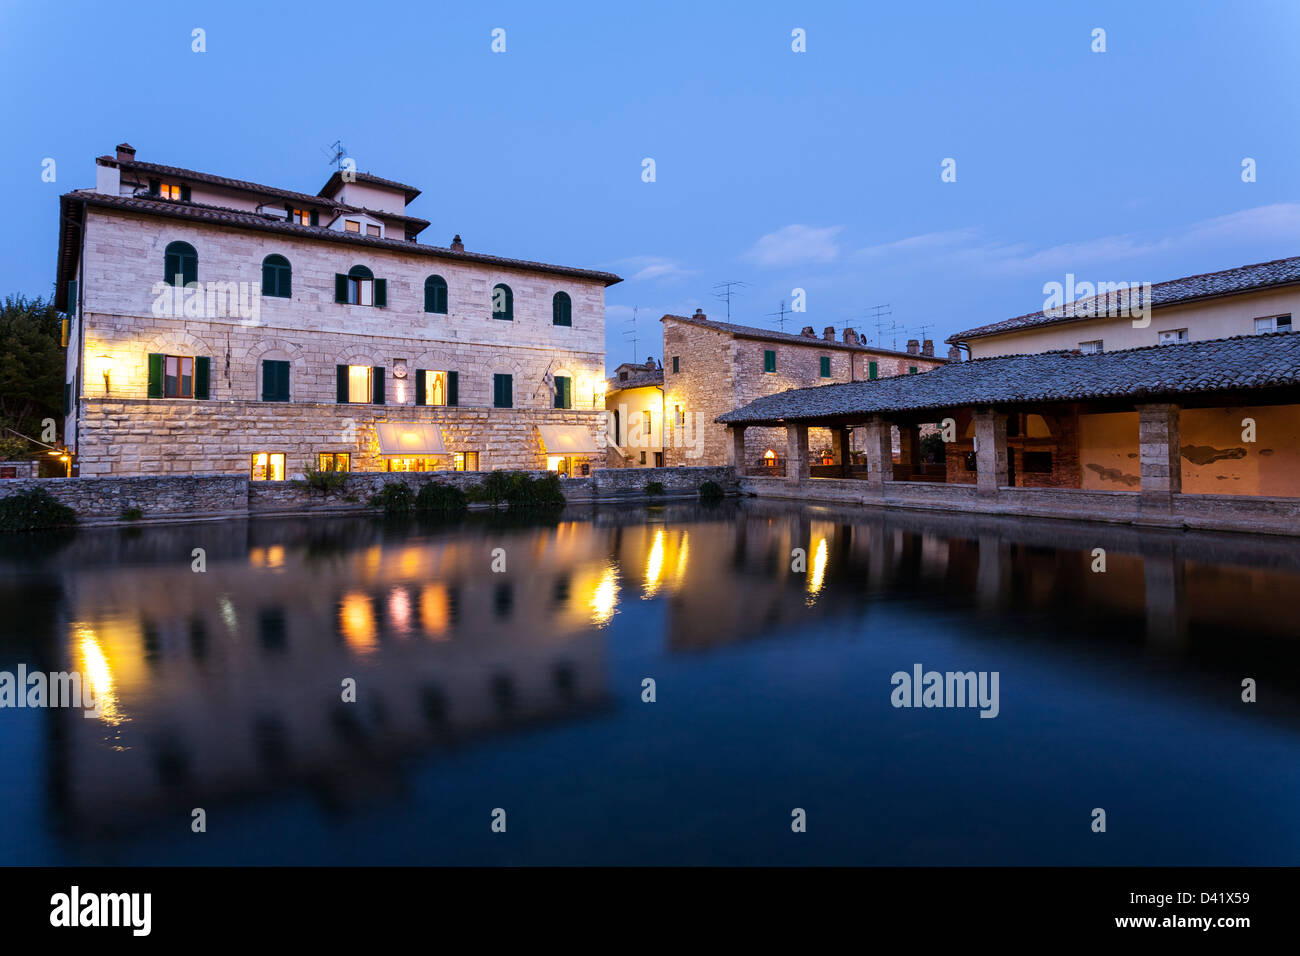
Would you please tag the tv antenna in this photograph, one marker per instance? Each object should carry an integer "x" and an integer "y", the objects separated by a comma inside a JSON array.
[
  {"x": 631, "y": 333},
  {"x": 729, "y": 288},
  {"x": 336, "y": 152},
  {"x": 922, "y": 329},
  {"x": 781, "y": 315}
]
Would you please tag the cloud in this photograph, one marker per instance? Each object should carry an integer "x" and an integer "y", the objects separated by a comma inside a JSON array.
[
  {"x": 644, "y": 268},
  {"x": 794, "y": 244}
]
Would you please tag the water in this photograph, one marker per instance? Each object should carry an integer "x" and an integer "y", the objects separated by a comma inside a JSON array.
[{"x": 522, "y": 690}]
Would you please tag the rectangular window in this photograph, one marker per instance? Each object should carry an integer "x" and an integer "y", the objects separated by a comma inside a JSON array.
[
  {"x": 643, "y": 458},
  {"x": 178, "y": 376},
  {"x": 1038, "y": 462},
  {"x": 679, "y": 416},
  {"x": 873, "y": 370},
  {"x": 1274, "y": 323},
  {"x": 968, "y": 459},
  {"x": 372, "y": 229},
  {"x": 359, "y": 390},
  {"x": 352, "y": 225},
  {"x": 268, "y": 466},
  {"x": 300, "y": 216},
  {"x": 911, "y": 370},
  {"x": 361, "y": 291},
  {"x": 1173, "y": 337},
  {"x": 646, "y": 422},
  {"x": 676, "y": 366},
  {"x": 435, "y": 388},
  {"x": 769, "y": 360},
  {"x": 563, "y": 391},
  {"x": 503, "y": 389},
  {"x": 466, "y": 461},
  {"x": 334, "y": 461},
  {"x": 1091, "y": 348},
  {"x": 410, "y": 464},
  {"x": 659, "y": 459},
  {"x": 826, "y": 366},
  {"x": 169, "y": 191},
  {"x": 275, "y": 381}
]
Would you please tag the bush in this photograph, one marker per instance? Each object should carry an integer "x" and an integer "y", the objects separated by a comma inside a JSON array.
[
  {"x": 437, "y": 496},
  {"x": 654, "y": 488},
  {"x": 132, "y": 514},
  {"x": 518, "y": 490},
  {"x": 711, "y": 491},
  {"x": 396, "y": 498},
  {"x": 326, "y": 482},
  {"x": 34, "y": 510}
]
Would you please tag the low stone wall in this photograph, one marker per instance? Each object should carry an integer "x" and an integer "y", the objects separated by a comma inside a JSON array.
[
  {"x": 187, "y": 497},
  {"x": 631, "y": 482}
]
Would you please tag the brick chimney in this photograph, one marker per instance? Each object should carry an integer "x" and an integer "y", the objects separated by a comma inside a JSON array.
[
  {"x": 699, "y": 314},
  {"x": 125, "y": 153},
  {"x": 954, "y": 354},
  {"x": 927, "y": 347},
  {"x": 850, "y": 337},
  {"x": 913, "y": 347},
  {"x": 650, "y": 362},
  {"x": 807, "y": 330},
  {"x": 456, "y": 244},
  {"x": 828, "y": 333}
]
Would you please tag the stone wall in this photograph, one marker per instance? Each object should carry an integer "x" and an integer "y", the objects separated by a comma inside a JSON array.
[{"x": 98, "y": 500}]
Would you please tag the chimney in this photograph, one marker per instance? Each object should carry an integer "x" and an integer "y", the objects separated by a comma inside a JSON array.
[
  {"x": 913, "y": 347},
  {"x": 808, "y": 331},
  {"x": 456, "y": 244},
  {"x": 125, "y": 153},
  {"x": 954, "y": 354},
  {"x": 699, "y": 314},
  {"x": 850, "y": 337},
  {"x": 828, "y": 333},
  {"x": 927, "y": 347},
  {"x": 650, "y": 361}
]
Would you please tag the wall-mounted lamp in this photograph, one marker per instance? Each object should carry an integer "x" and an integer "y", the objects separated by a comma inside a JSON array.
[{"x": 106, "y": 367}]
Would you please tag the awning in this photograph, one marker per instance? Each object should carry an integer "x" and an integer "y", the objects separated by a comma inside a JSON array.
[
  {"x": 567, "y": 440},
  {"x": 396, "y": 438}
]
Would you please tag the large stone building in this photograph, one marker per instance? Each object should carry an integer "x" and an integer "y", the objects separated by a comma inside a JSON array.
[
  {"x": 1254, "y": 299},
  {"x": 218, "y": 325},
  {"x": 711, "y": 368}
]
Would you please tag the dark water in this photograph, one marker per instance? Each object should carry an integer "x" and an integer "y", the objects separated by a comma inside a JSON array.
[{"x": 522, "y": 690}]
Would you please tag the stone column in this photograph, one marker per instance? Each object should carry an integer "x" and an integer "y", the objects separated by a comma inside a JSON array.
[
  {"x": 796, "y": 454},
  {"x": 909, "y": 446},
  {"x": 1159, "y": 455},
  {"x": 990, "y": 452},
  {"x": 840, "y": 439},
  {"x": 880, "y": 454},
  {"x": 736, "y": 448}
]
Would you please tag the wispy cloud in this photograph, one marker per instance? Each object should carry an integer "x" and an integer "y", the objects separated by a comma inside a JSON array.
[
  {"x": 642, "y": 268},
  {"x": 794, "y": 244}
]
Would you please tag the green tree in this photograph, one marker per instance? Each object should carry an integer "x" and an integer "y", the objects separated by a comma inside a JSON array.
[{"x": 31, "y": 366}]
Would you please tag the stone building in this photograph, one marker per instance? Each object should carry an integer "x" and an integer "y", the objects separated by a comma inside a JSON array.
[
  {"x": 634, "y": 399},
  {"x": 219, "y": 325},
  {"x": 1255, "y": 299},
  {"x": 711, "y": 368}
]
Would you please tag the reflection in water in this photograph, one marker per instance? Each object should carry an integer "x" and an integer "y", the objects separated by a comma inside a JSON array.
[{"x": 453, "y": 661}]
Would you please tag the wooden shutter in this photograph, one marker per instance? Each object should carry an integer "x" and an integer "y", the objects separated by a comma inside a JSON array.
[
  {"x": 419, "y": 386},
  {"x": 202, "y": 376},
  {"x": 381, "y": 293},
  {"x": 453, "y": 388},
  {"x": 67, "y": 399},
  {"x": 71, "y": 310},
  {"x": 769, "y": 361},
  {"x": 826, "y": 366},
  {"x": 171, "y": 267},
  {"x": 288, "y": 213},
  {"x": 185, "y": 193},
  {"x": 341, "y": 384},
  {"x": 377, "y": 384},
  {"x": 275, "y": 380},
  {"x": 315, "y": 218},
  {"x": 562, "y": 391},
  {"x": 155, "y": 186},
  {"x": 873, "y": 370},
  {"x": 340, "y": 291},
  {"x": 155, "y": 376}
]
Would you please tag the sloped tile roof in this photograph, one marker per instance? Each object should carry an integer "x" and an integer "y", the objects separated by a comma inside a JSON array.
[
  {"x": 767, "y": 335},
  {"x": 1151, "y": 372},
  {"x": 636, "y": 379},
  {"x": 1261, "y": 275},
  {"x": 178, "y": 172}
]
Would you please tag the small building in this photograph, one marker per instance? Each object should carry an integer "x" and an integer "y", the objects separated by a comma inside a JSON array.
[
  {"x": 634, "y": 399},
  {"x": 1254, "y": 299},
  {"x": 711, "y": 368}
]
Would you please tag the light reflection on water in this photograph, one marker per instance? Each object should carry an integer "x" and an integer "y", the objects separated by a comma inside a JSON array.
[{"x": 476, "y": 685}]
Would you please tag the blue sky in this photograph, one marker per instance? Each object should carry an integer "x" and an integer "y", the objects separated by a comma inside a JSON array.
[{"x": 816, "y": 170}]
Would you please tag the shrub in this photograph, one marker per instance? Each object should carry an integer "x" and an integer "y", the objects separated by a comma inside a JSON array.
[
  {"x": 654, "y": 488},
  {"x": 518, "y": 490},
  {"x": 437, "y": 496},
  {"x": 34, "y": 510},
  {"x": 132, "y": 514},
  {"x": 395, "y": 497},
  {"x": 711, "y": 491},
  {"x": 326, "y": 482}
]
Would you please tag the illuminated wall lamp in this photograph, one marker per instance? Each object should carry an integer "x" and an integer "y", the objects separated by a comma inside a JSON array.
[{"x": 105, "y": 363}]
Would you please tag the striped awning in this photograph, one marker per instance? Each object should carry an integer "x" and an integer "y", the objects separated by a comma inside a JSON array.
[
  {"x": 398, "y": 439},
  {"x": 567, "y": 440}
]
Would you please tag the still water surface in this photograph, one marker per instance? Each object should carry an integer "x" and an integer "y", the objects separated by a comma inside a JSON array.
[{"x": 522, "y": 690}]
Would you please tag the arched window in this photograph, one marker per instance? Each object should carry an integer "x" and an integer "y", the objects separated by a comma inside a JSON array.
[
  {"x": 360, "y": 287},
  {"x": 503, "y": 302},
  {"x": 435, "y": 295},
  {"x": 561, "y": 309},
  {"x": 180, "y": 259},
  {"x": 276, "y": 277}
]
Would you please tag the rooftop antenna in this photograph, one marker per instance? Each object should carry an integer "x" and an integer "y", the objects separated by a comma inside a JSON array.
[
  {"x": 781, "y": 315},
  {"x": 729, "y": 288},
  {"x": 336, "y": 152},
  {"x": 631, "y": 333},
  {"x": 878, "y": 313},
  {"x": 922, "y": 329}
]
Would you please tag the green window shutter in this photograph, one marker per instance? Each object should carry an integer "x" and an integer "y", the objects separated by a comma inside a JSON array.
[
  {"x": 435, "y": 295},
  {"x": 282, "y": 385},
  {"x": 341, "y": 384},
  {"x": 155, "y": 376},
  {"x": 419, "y": 386},
  {"x": 676, "y": 367},
  {"x": 911, "y": 370},
  {"x": 67, "y": 399},
  {"x": 769, "y": 360},
  {"x": 873, "y": 370},
  {"x": 72, "y": 298},
  {"x": 381, "y": 293},
  {"x": 561, "y": 309},
  {"x": 503, "y": 391},
  {"x": 275, "y": 381},
  {"x": 340, "y": 287},
  {"x": 315, "y": 218},
  {"x": 155, "y": 186},
  {"x": 377, "y": 382},
  {"x": 563, "y": 392},
  {"x": 826, "y": 366},
  {"x": 453, "y": 388},
  {"x": 288, "y": 213},
  {"x": 202, "y": 376},
  {"x": 185, "y": 193}
]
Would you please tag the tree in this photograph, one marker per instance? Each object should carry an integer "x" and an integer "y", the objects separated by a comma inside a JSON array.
[{"x": 31, "y": 365}]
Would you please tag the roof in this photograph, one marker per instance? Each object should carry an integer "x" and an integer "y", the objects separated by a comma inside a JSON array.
[
  {"x": 1207, "y": 285},
  {"x": 153, "y": 169},
  {"x": 636, "y": 378},
  {"x": 1150, "y": 372},
  {"x": 335, "y": 181},
  {"x": 767, "y": 335},
  {"x": 69, "y": 204}
]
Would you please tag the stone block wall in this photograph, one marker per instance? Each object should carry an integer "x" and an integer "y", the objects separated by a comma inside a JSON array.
[{"x": 189, "y": 496}]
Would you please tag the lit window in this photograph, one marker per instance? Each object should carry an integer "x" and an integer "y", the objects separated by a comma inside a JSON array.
[
  {"x": 466, "y": 461},
  {"x": 1090, "y": 348},
  {"x": 361, "y": 286},
  {"x": 169, "y": 191},
  {"x": 769, "y": 458},
  {"x": 679, "y": 415},
  {"x": 300, "y": 216},
  {"x": 646, "y": 422},
  {"x": 334, "y": 461},
  {"x": 410, "y": 464},
  {"x": 178, "y": 376},
  {"x": 359, "y": 383},
  {"x": 435, "y": 388},
  {"x": 352, "y": 225},
  {"x": 268, "y": 466},
  {"x": 1274, "y": 323},
  {"x": 372, "y": 229},
  {"x": 1173, "y": 337}
]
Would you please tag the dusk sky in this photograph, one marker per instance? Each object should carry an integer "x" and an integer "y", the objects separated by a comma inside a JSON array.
[{"x": 817, "y": 170}]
